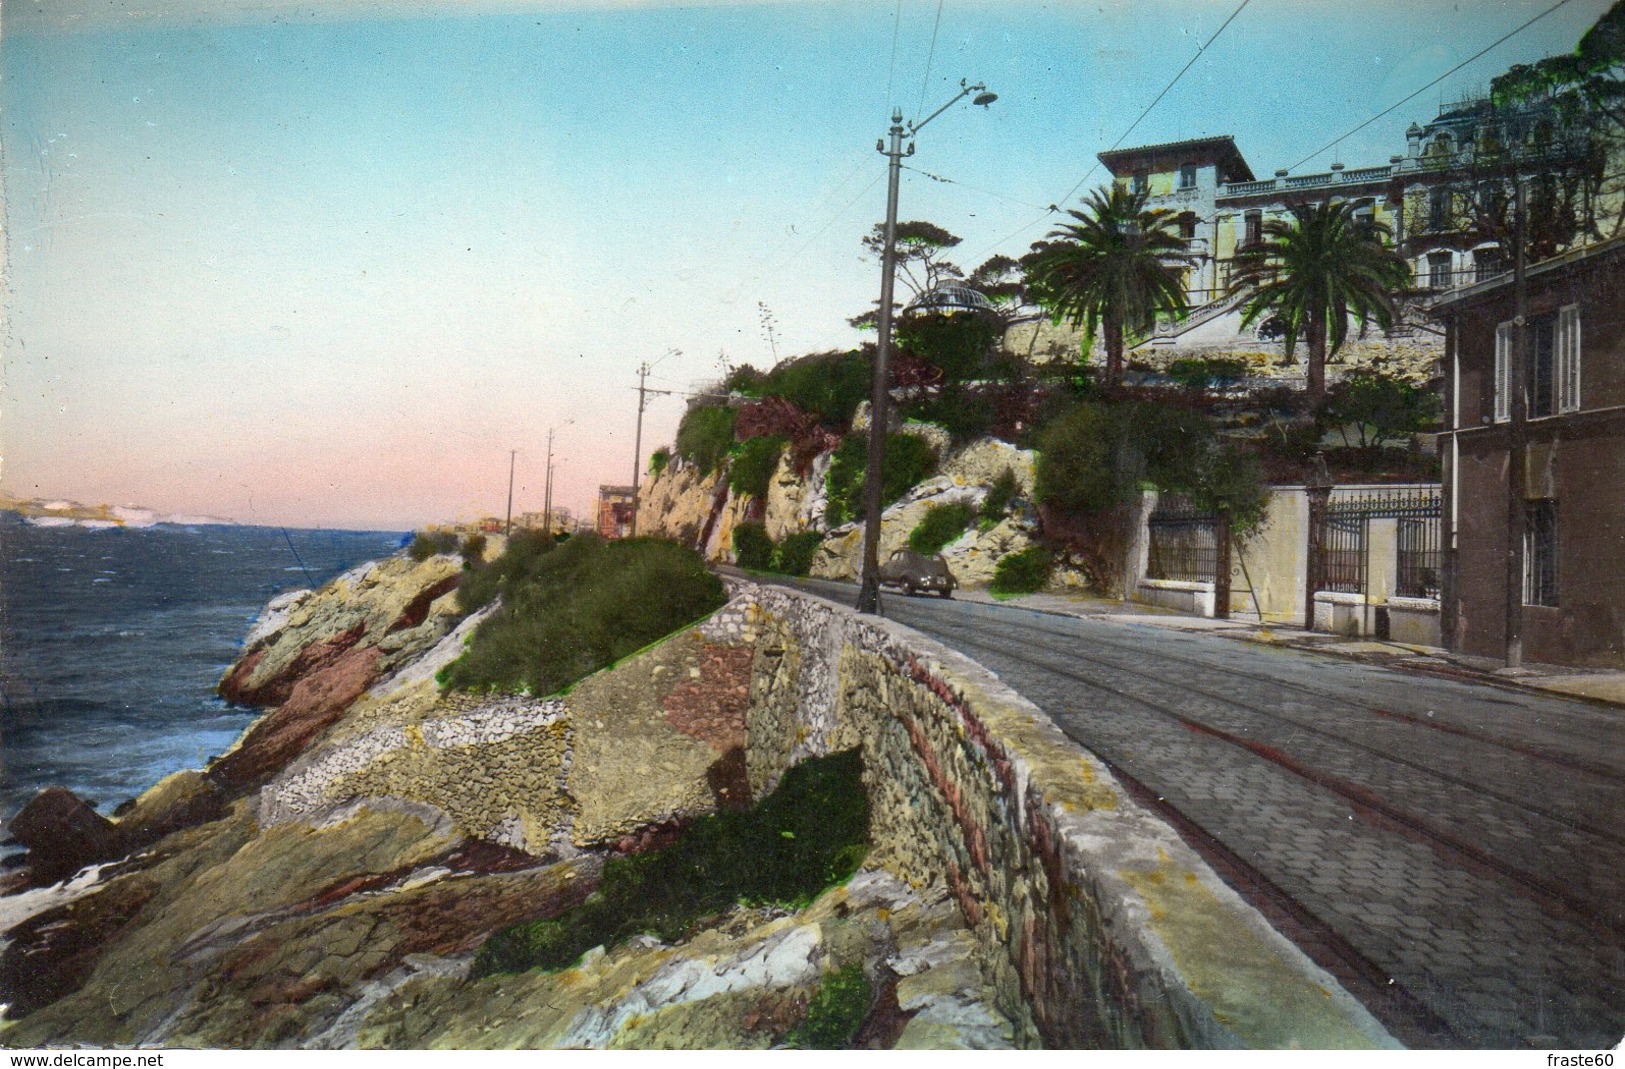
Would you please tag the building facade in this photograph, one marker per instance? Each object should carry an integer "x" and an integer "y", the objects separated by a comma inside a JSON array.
[
  {"x": 617, "y": 509},
  {"x": 1572, "y": 506},
  {"x": 1446, "y": 202}
]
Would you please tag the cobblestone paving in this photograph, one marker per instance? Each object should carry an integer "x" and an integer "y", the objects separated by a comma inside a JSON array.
[{"x": 1466, "y": 841}]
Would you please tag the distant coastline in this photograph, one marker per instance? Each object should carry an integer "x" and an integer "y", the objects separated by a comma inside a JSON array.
[{"x": 56, "y": 512}]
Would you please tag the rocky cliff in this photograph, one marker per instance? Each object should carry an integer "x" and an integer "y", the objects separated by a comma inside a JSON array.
[
  {"x": 700, "y": 511},
  {"x": 328, "y": 882}
]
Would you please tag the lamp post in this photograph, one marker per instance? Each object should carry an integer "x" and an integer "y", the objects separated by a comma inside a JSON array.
[
  {"x": 880, "y": 388},
  {"x": 1318, "y": 489}
]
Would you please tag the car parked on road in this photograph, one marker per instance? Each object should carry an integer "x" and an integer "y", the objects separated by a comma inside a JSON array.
[{"x": 914, "y": 572}]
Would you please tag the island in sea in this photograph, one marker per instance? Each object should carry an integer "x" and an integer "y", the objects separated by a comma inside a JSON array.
[{"x": 58, "y": 512}]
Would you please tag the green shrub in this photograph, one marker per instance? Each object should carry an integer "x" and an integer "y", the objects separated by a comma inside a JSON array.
[
  {"x": 964, "y": 414},
  {"x": 569, "y": 610},
  {"x": 794, "y": 555},
  {"x": 909, "y": 461},
  {"x": 961, "y": 345},
  {"x": 753, "y": 549},
  {"x": 1203, "y": 373},
  {"x": 518, "y": 563},
  {"x": 706, "y": 436},
  {"x": 426, "y": 544},
  {"x": 810, "y": 834},
  {"x": 830, "y": 385},
  {"x": 754, "y": 464},
  {"x": 836, "y": 1011},
  {"x": 1098, "y": 456},
  {"x": 940, "y": 526},
  {"x": 997, "y": 501},
  {"x": 473, "y": 550},
  {"x": 659, "y": 460},
  {"x": 1022, "y": 573}
]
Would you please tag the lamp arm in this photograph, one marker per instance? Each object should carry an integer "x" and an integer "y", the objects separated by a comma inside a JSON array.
[{"x": 964, "y": 91}]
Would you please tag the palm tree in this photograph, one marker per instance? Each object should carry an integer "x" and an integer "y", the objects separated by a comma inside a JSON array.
[
  {"x": 1314, "y": 271},
  {"x": 1116, "y": 268}
]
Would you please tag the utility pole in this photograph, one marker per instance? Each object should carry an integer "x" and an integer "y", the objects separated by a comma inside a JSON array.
[
  {"x": 507, "y": 527},
  {"x": 1517, "y": 435},
  {"x": 547, "y": 494},
  {"x": 880, "y": 384},
  {"x": 637, "y": 442}
]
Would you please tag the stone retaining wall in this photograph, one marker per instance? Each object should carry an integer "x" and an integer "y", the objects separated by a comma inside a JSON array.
[{"x": 1098, "y": 926}]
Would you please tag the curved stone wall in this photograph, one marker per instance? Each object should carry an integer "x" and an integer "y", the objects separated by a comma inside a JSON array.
[{"x": 1097, "y": 925}]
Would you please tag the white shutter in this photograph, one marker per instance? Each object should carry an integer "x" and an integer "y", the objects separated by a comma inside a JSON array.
[
  {"x": 1568, "y": 358},
  {"x": 1503, "y": 372}
]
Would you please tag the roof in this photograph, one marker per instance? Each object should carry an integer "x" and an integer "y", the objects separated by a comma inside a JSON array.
[
  {"x": 1221, "y": 150},
  {"x": 1581, "y": 257}
]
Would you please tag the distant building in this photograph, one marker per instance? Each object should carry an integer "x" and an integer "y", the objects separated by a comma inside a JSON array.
[
  {"x": 617, "y": 505},
  {"x": 1574, "y": 471},
  {"x": 1446, "y": 202},
  {"x": 563, "y": 521}
]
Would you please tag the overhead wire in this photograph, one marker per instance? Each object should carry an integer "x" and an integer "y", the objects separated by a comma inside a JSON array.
[
  {"x": 929, "y": 56},
  {"x": 1398, "y": 104},
  {"x": 1201, "y": 50}
]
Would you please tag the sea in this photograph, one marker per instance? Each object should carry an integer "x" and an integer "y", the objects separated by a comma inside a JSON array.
[{"x": 112, "y": 641}]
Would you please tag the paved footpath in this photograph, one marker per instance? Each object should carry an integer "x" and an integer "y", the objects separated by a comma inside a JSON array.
[{"x": 1453, "y": 851}]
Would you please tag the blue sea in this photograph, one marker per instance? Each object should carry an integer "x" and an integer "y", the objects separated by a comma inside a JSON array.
[{"x": 112, "y": 642}]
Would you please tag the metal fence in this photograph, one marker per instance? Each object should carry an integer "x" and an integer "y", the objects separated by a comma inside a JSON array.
[
  {"x": 1184, "y": 543},
  {"x": 1345, "y": 541}
]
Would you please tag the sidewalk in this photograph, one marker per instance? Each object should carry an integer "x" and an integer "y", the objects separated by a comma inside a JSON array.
[{"x": 1591, "y": 684}]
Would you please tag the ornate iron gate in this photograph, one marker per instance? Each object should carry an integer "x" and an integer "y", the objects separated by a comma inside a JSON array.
[
  {"x": 1345, "y": 539},
  {"x": 1184, "y": 542}
]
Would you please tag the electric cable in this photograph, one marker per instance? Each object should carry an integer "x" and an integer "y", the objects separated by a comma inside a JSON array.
[{"x": 1430, "y": 85}]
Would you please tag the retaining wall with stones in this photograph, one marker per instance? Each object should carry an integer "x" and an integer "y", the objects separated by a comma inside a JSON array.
[{"x": 1097, "y": 925}]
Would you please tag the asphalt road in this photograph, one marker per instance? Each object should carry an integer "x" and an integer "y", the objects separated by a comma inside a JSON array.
[{"x": 1453, "y": 852}]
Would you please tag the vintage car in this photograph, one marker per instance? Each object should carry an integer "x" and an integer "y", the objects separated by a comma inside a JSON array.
[{"x": 913, "y": 572}]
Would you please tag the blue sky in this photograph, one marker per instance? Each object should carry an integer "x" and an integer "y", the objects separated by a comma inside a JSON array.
[{"x": 329, "y": 265}]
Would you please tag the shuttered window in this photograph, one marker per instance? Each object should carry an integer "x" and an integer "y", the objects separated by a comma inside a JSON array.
[
  {"x": 1503, "y": 372},
  {"x": 1568, "y": 358}
]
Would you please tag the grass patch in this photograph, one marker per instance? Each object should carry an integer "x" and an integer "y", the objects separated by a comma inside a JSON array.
[
  {"x": 751, "y": 472},
  {"x": 808, "y": 835},
  {"x": 836, "y": 1011},
  {"x": 940, "y": 526},
  {"x": 569, "y": 609},
  {"x": 426, "y": 544},
  {"x": 706, "y": 436},
  {"x": 909, "y": 460},
  {"x": 997, "y": 501}
]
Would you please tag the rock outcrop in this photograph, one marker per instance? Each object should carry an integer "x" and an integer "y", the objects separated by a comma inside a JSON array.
[
  {"x": 340, "y": 902},
  {"x": 699, "y": 510}
]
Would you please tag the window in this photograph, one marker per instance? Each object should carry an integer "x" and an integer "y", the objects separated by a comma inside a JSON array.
[
  {"x": 1567, "y": 344},
  {"x": 1439, "y": 270},
  {"x": 1552, "y": 378},
  {"x": 1439, "y": 208},
  {"x": 1187, "y": 176},
  {"x": 1540, "y": 552},
  {"x": 1187, "y": 225},
  {"x": 1255, "y": 228},
  {"x": 1540, "y": 376},
  {"x": 1137, "y": 184},
  {"x": 1487, "y": 263},
  {"x": 1365, "y": 213}
]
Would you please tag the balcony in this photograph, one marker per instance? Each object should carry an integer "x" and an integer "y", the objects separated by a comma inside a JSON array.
[{"x": 1298, "y": 182}]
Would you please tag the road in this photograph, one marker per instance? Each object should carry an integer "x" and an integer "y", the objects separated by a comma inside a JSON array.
[{"x": 1453, "y": 852}]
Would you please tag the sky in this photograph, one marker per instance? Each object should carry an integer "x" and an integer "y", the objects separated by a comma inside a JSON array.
[{"x": 337, "y": 265}]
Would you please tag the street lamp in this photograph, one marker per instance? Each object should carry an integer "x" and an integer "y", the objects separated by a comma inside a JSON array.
[{"x": 880, "y": 389}]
